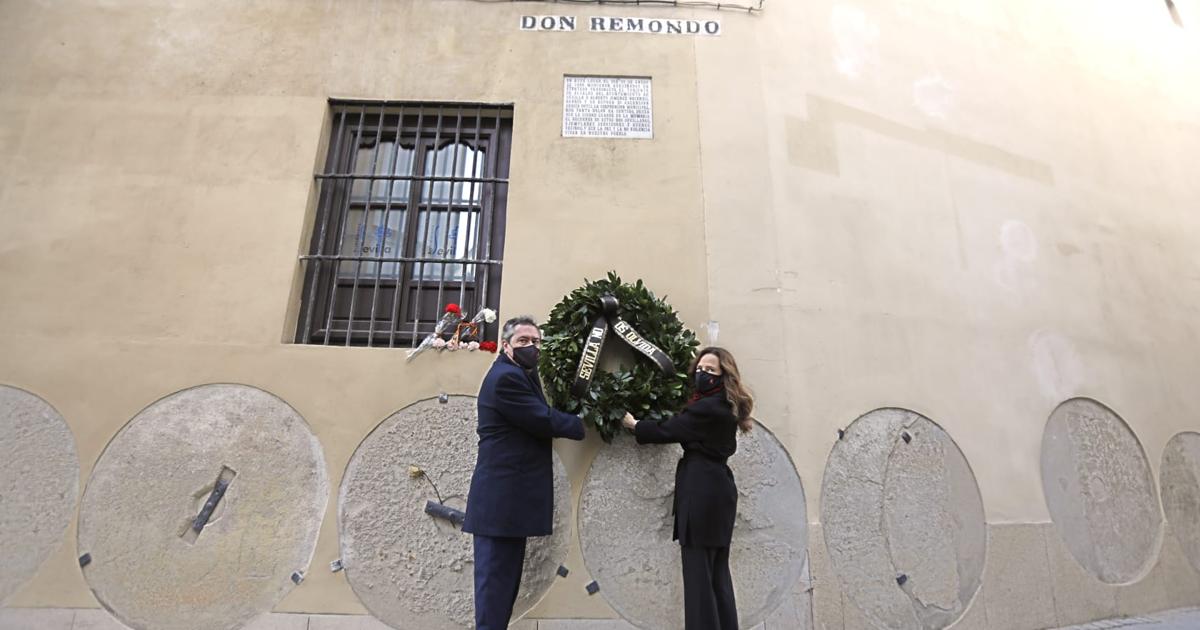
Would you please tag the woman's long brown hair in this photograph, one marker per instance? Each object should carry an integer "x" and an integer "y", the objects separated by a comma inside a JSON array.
[{"x": 735, "y": 392}]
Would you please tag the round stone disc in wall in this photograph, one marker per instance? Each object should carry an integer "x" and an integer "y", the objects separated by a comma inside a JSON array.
[
  {"x": 1180, "y": 479},
  {"x": 39, "y": 483},
  {"x": 903, "y": 521},
  {"x": 203, "y": 511},
  {"x": 1100, "y": 491},
  {"x": 411, "y": 570},
  {"x": 625, "y": 526}
]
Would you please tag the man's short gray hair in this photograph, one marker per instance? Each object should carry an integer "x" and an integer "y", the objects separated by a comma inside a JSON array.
[{"x": 510, "y": 326}]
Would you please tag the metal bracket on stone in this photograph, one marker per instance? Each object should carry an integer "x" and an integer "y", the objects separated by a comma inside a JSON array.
[
  {"x": 901, "y": 579},
  {"x": 562, "y": 571},
  {"x": 224, "y": 478},
  {"x": 85, "y": 560},
  {"x": 443, "y": 398},
  {"x": 445, "y": 512},
  {"x": 906, "y": 436},
  {"x": 297, "y": 577},
  {"x": 336, "y": 565},
  {"x": 841, "y": 433},
  {"x": 592, "y": 588}
]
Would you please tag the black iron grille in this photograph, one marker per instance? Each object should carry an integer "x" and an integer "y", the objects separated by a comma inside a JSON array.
[{"x": 410, "y": 218}]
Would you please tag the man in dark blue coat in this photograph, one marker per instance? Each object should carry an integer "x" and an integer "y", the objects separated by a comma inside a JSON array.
[{"x": 512, "y": 490}]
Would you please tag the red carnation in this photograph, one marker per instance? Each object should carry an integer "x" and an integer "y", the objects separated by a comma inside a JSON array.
[
  {"x": 453, "y": 308},
  {"x": 489, "y": 346}
]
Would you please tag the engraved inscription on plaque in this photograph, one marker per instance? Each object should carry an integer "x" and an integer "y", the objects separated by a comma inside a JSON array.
[{"x": 607, "y": 107}]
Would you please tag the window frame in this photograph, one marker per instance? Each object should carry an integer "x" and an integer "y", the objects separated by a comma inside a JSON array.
[{"x": 324, "y": 317}]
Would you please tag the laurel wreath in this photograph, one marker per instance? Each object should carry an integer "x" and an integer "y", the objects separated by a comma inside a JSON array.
[{"x": 641, "y": 389}]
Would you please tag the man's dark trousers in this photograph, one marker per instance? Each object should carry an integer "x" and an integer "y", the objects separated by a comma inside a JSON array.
[
  {"x": 512, "y": 488},
  {"x": 498, "y": 562}
]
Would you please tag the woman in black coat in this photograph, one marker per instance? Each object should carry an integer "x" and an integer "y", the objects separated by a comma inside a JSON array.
[{"x": 705, "y": 493}]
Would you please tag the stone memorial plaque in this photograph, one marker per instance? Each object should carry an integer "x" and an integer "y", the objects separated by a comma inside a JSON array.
[{"x": 607, "y": 107}]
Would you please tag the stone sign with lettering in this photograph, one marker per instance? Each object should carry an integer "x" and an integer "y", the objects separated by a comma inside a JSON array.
[{"x": 607, "y": 107}]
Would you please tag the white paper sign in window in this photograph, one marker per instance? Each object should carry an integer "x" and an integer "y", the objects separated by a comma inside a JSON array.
[{"x": 607, "y": 107}]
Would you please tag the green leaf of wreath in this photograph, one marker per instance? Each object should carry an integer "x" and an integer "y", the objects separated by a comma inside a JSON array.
[{"x": 643, "y": 389}]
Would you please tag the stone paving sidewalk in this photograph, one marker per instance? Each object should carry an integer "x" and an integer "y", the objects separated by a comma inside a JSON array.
[
  {"x": 95, "y": 619},
  {"x": 1179, "y": 619}
]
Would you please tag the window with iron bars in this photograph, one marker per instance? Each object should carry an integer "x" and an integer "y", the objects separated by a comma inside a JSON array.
[{"x": 410, "y": 218}]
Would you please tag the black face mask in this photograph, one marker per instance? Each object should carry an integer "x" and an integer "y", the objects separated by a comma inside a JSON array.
[
  {"x": 526, "y": 357},
  {"x": 707, "y": 383}
]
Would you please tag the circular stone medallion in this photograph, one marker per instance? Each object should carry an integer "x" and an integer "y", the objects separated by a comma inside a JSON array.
[
  {"x": 39, "y": 483},
  {"x": 625, "y": 526},
  {"x": 411, "y": 570},
  {"x": 903, "y": 521},
  {"x": 1100, "y": 491},
  {"x": 203, "y": 511},
  {"x": 1180, "y": 479}
]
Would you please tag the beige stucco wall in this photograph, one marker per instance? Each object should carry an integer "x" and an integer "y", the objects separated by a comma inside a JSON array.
[
  {"x": 159, "y": 165},
  {"x": 856, "y": 243},
  {"x": 973, "y": 210}
]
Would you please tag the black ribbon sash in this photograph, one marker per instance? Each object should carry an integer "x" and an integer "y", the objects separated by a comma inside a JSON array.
[{"x": 589, "y": 359}]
